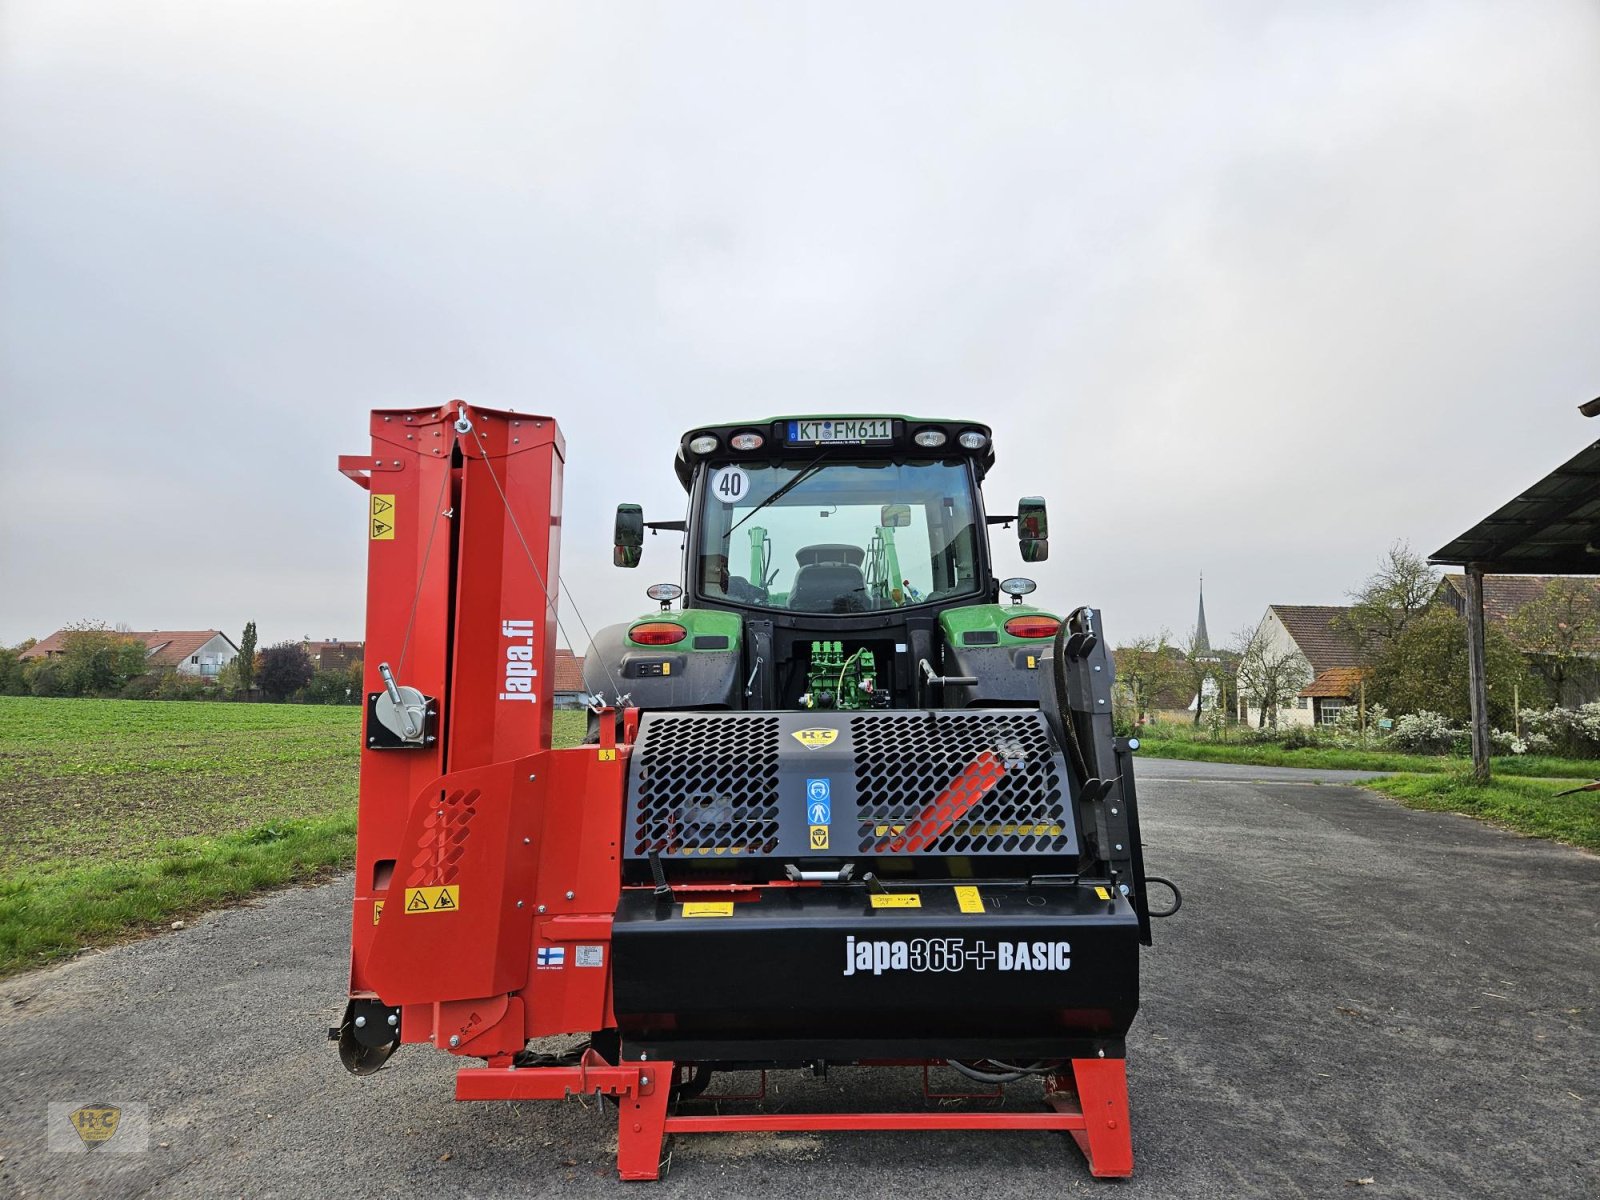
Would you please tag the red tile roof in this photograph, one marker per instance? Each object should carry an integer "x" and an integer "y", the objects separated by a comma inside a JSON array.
[
  {"x": 1504, "y": 596},
  {"x": 569, "y": 672},
  {"x": 163, "y": 647},
  {"x": 1321, "y": 633},
  {"x": 1336, "y": 683}
]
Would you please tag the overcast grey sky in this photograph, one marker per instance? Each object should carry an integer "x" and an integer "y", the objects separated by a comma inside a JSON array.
[{"x": 1253, "y": 289}]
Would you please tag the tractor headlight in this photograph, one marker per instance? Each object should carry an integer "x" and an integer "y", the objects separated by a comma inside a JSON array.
[
  {"x": 929, "y": 438},
  {"x": 973, "y": 440},
  {"x": 704, "y": 444}
]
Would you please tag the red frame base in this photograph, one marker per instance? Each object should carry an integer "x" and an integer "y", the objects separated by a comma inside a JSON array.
[{"x": 1091, "y": 1103}]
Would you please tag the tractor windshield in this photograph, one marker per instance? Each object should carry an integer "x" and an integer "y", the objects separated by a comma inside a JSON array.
[{"x": 836, "y": 536}]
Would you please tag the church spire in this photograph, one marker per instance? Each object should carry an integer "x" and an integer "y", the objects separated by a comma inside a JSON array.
[{"x": 1202, "y": 639}]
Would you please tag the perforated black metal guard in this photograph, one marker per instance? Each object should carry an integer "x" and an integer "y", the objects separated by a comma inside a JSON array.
[
  {"x": 988, "y": 784},
  {"x": 959, "y": 783},
  {"x": 705, "y": 786}
]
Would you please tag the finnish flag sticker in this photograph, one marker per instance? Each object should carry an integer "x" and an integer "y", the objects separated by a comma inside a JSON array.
[{"x": 554, "y": 957}]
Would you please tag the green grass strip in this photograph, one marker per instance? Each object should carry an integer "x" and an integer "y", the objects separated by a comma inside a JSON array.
[
  {"x": 50, "y": 912},
  {"x": 1528, "y": 806},
  {"x": 1332, "y": 758}
]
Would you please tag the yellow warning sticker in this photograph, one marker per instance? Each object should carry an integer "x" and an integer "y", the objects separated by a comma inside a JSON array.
[
  {"x": 819, "y": 837},
  {"x": 1033, "y": 663},
  {"x": 608, "y": 756},
  {"x": 708, "y": 908},
  {"x": 433, "y": 899},
  {"x": 896, "y": 900},
  {"x": 815, "y": 739},
  {"x": 666, "y": 668},
  {"x": 1102, "y": 893},
  {"x": 377, "y": 910},
  {"x": 383, "y": 517},
  {"x": 969, "y": 900}
]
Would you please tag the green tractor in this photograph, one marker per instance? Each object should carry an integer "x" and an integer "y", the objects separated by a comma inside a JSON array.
[
  {"x": 831, "y": 564},
  {"x": 892, "y": 784}
]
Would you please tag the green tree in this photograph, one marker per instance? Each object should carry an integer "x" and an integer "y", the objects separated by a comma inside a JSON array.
[
  {"x": 338, "y": 685},
  {"x": 284, "y": 670},
  {"x": 1145, "y": 667},
  {"x": 228, "y": 678},
  {"x": 99, "y": 661},
  {"x": 45, "y": 677},
  {"x": 13, "y": 678},
  {"x": 1425, "y": 667},
  {"x": 1559, "y": 630},
  {"x": 246, "y": 658}
]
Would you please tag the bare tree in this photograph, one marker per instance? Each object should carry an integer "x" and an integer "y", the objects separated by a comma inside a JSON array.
[
  {"x": 1401, "y": 589},
  {"x": 1270, "y": 673}
]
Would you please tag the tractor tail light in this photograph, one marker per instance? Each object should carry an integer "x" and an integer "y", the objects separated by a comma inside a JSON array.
[
  {"x": 1032, "y": 627},
  {"x": 660, "y": 633}
]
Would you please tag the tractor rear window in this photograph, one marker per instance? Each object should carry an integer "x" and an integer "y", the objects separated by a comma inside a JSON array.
[{"x": 837, "y": 537}]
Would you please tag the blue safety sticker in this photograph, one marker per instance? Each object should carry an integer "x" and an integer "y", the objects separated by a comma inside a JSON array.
[{"x": 819, "y": 801}]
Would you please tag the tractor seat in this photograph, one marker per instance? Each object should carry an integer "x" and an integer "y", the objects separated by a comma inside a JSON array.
[{"x": 828, "y": 587}]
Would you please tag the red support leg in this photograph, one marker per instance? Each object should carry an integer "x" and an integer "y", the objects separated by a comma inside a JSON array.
[
  {"x": 1106, "y": 1141},
  {"x": 642, "y": 1124}
]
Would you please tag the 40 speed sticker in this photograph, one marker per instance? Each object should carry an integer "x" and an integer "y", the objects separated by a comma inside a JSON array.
[{"x": 871, "y": 957}]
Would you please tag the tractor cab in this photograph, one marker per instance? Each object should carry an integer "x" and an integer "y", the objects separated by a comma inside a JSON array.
[{"x": 844, "y": 562}]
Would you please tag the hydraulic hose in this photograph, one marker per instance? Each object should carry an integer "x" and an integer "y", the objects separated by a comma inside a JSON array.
[
  {"x": 1008, "y": 1073},
  {"x": 1177, "y": 896}
]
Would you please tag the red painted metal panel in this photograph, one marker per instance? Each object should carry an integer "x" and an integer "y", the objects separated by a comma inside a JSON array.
[
  {"x": 458, "y": 916},
  {"x": 508, "y": 560},
  {"x": 408, "y": 598},
  {"x": 789, "y": 1122},
  {"x": 466, "y": 538},
  {"x": 579, "y": 883},
  {"x": 592, "y": 1075},
  {"x": 1101, "y": 1085}
]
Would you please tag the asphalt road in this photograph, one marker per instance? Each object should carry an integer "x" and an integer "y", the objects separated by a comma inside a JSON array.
[
  {"x": 1353, "y": 991},
  {"x": 1207, "y": 772}
]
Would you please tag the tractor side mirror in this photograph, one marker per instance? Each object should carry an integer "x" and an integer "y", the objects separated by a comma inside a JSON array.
[
  {"x": 895, "y": 516},
  {"x": 1033, "y": 529},
  {"x": 628, "y": 536}
]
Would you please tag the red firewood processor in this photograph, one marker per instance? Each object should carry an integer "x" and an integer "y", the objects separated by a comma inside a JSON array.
[{"x": 851, "y": 803}]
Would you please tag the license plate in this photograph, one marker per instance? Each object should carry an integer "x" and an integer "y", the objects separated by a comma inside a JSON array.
[{"x": 851, "y": 430}]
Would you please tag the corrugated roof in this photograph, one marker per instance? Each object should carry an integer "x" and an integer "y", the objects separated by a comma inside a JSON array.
[
  {"x": 1550, "y": 528},
  {"x": 1321, "y": 632}
]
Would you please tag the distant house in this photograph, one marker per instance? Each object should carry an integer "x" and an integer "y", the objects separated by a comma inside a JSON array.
[
  {"x": 1320, "y": 634},
  {"x": 569, "y": 680},
  {"x": 334, "y": 655},
  {"x": 1504, "y": 598},
  {"x": 198, "y": 652}
]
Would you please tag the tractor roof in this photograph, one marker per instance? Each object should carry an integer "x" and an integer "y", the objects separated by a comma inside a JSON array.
[{"x": 888, "y": 436}]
